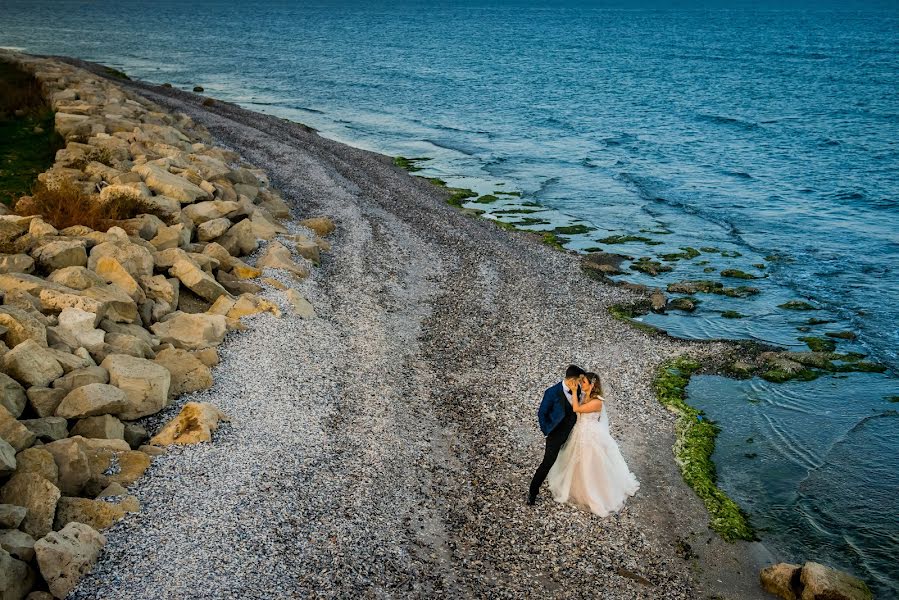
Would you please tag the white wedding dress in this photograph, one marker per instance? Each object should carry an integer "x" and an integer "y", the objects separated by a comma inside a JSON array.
[{"x": 590, "y": 471}]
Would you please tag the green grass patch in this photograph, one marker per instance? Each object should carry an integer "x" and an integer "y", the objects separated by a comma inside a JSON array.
[
  {"x": 28, "y": 141},
  {"x": 693, "y": 451},
  {"x": 796, "y": 305},
  {"x": 573, "y": 229}
]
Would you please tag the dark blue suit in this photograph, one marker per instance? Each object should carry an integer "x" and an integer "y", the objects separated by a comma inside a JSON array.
[{"x": 557, "y": 419}]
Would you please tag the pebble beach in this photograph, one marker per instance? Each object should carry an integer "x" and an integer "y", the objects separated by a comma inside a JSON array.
[{"x": 383, "y": 448}]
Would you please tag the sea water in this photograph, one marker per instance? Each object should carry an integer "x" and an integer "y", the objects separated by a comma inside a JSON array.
[{"x": 765, "y": 136}]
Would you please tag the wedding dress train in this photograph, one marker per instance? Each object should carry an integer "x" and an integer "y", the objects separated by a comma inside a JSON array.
[{"x": 590, "y": 471}]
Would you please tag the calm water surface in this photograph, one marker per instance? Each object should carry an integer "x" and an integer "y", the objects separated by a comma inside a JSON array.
[{"x": 770, "y": 136}]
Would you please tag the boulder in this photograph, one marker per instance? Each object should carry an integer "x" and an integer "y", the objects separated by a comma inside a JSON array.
[
  {"x": 135, "y": 259},
  {"x": 57, "y": 301},
  {"x": 201, "y": 212},
  {"x": 77, "y": 378},
  {"x": 16, "y": 435},
  {"x": 99, "y": 514},
  {"x": 189, "y": 374},
  {"x": 251, "y": 304},
  {"x": 159, "y": 288},
  {"x": 197, "y": 280},
  {"x": 112, "y": 271},
  {"x": 119, "y": 305},
  {"x": 123, "y": 343},
  {"x": 191, "y": 332},
  {"x": 18, "y": 543},
  {"x": 12, "y": 395},
  {"x": 39, "y": 461},
  {"x": 277, "y": 256},
  {"x": 193, "y": 425},
  {"x": 16, "y": 263},
  {"x": 298, "y": 304},
  {"x": 135, "y": 434},
  {"x": 213, "y": 229},
  {"x": 174, "y": 236},
  {"x": 76, "y": 278},
  {"x": 38, "y": 496},
  {"x": 305, "y": 247},
  {"x": 820, "y": 582},
  {"x": 8, "y": 463},
  {"x": 240, "y": 239},
  {"x": 65, "y": 556},
  {"x": 61, "y": 254},
  {"x": 11, "y": 516},
  {"x": 782, "y": 580},
  {"x": 105, "y": 427},
  {"x": 47, "y": 429},
  {"x": 21, "y": 325},
  {"x": 78, "y": 329},
  {"x": 44, "y": 400},
  {"x": 145, "y": 383},
  {"x": 320, "y": 225},
  {"x": 31, "y": 364},
  {"x": 16, "y": 577},
  {"x": 72, "y": 464},
  {"x": 168, "y": 184},
  {"x": 131, "y": 466},
  {"x": 91, "y": 400}
]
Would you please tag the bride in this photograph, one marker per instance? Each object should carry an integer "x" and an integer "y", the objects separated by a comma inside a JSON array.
[{"x": 590, "y": 471}]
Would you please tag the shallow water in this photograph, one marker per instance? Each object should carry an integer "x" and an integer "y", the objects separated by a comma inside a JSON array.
[{"x": 771, "y": 135}]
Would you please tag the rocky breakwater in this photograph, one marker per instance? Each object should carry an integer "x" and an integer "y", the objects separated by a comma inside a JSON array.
[{"x": 104, "y": 324}]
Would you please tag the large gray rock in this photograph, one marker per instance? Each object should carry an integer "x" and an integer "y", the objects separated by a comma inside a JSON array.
[
  {"x": 61, "y": 254},
  {"x": 93, "y": 399},
  {"x": 202, "y": 212},
  {"x": 76, "y": 278},
  {"x": 18, "y": 543},
  {"x": 12, "y": 395},
  {"x": 47, "y": 429},
  {"x": 38, "y": 496},
  {"x": 191, "y": 331},
  {"x": 16, "y": 263},
  {"x": 146, "y": 384},
  {"x": 820, "y": 582},
  {"x": 7, "y": 458},
  {"x": 189, "y": 374},
  {"x": 197, "y": 280},
  {"x": 20, "y": 326},
  {"x": 32, "y": 364},
  {"x": 135, "y": 259},
  {"x": 240, "y": 240},
  {"x": 213, "y": 229},
  {"x": 100, "y": 427},
  {"x": 78, "y": 328},
  {"x": 17, "y": 435},
  {"x": 11, "y": 516},
  {"x": 39, "y": 461},
  {"x": 65, "y": 556},
  {"x": 78, "y": 378},
  {"x": 16, "y": 577},
  {"x": 168, "y": 184}
]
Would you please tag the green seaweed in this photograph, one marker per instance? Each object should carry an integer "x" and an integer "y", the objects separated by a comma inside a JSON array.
[
  {"x": 818, "y": 344},
  {"x": 409, "y": 164},
  {"x": 796, "y": 305},
  {"x": 486, "y": 199},
  {"x": 623, "y": 239},
  {"x": 645, "y": 264},
  {"x": 817, "y": 321},
  {"x": 782, "y": 375},
  {"x": 574, "y": 229},
  {"x": 693, "y": 451},
  {"x": 530, "y": 221},
  {"x": 593, "y": 249},
  {"x": 554, "y": 241},
  {"x": 732, "y": 314},
  {"x": 686, "y": 254},
  {"x": 709, "y": 270},
  {"x": 892, "y": 398},
  {"x": 517, "y": 211},
  {"x": 437, "y": 181},
  {"x": 458, "y": 196},
  {"x": 686, "y": 303},
  {"x": 841, "y": 335},
  {"x": 730, "y": 254},
  {"x": 501, "y": 193},
  {"x": 709, "y": 249},
  {"x": 737, "y": 274}
]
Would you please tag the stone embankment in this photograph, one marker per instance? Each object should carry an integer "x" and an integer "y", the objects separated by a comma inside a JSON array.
[{"x": 102, "y": 327}]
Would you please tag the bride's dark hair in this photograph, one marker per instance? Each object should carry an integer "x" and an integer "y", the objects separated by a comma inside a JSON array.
[{"x": 593, "y": 378}]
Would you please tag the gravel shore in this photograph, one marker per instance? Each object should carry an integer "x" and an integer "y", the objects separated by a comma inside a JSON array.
[{"x": 384, "y": 448}]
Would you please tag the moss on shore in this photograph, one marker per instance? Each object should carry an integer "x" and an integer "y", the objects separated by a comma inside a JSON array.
[
  {"x": 409, "y": 164},
  {"x": 693, "y": 450}
]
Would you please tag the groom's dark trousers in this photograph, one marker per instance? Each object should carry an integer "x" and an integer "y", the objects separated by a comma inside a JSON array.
[{"x": 554, "y": 442}]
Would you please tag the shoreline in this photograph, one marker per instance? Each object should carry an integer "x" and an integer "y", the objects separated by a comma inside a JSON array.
[{"x": 193, "y": 102}]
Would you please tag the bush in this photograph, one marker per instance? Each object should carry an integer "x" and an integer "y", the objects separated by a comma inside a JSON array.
[{"x": 66, "y": 205}]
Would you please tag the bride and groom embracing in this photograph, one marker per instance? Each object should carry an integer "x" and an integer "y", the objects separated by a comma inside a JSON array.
[{"x": 582, "y": 463}]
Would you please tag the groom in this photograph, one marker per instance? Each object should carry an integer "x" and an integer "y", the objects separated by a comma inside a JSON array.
[{"x": 557, "y": 419}]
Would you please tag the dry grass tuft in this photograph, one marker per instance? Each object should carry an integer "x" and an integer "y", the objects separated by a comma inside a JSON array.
[{"x": 66, "y": 205}]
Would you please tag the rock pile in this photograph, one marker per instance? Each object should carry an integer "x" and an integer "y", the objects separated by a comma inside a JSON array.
[{"x": 99, "y": 328}]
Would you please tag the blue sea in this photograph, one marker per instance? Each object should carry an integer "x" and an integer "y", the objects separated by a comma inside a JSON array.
[{"x": 766, "y": 136}]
